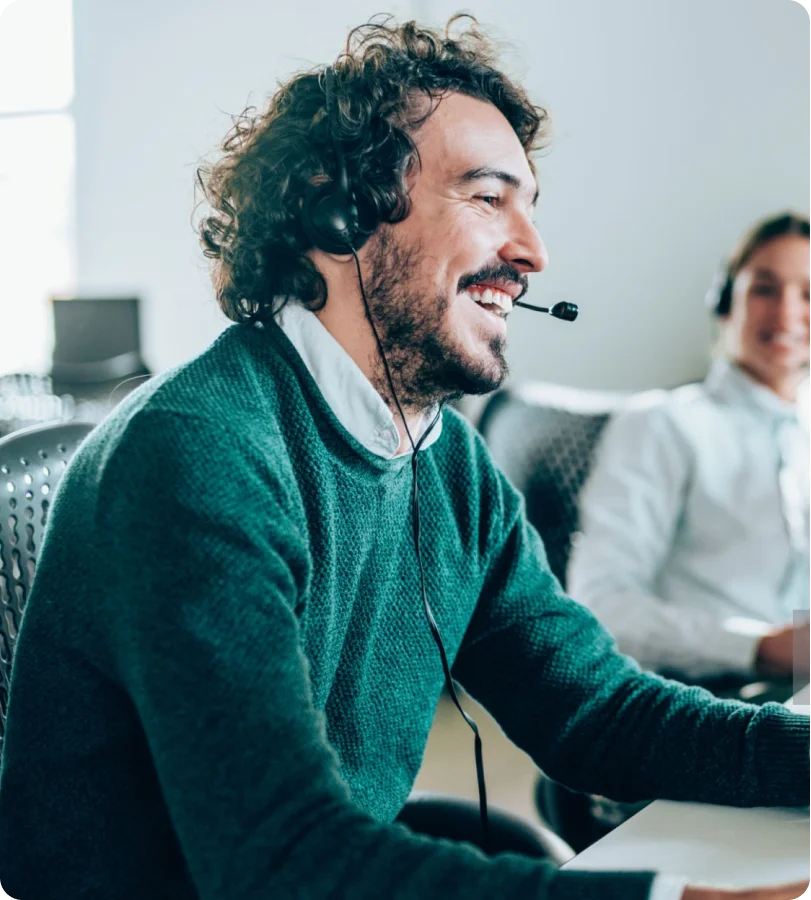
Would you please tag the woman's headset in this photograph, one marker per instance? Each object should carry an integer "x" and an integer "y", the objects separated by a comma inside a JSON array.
[{"x": 719, "y": 296}]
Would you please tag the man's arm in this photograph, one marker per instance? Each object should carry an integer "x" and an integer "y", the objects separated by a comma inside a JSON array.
[
  {"x": 630, "y": 508},
  {"x": 552, "y": 677},
  {"x": 201, "y": 618}
]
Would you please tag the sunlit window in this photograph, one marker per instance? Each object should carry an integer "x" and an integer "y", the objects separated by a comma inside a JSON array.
[{"x": 37, "y": 174}]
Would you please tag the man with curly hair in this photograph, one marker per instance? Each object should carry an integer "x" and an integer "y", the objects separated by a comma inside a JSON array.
[{"x": 225, "y": 679}]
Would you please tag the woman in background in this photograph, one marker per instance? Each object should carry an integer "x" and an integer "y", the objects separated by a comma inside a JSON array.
[{"x": 694, "y": 549}]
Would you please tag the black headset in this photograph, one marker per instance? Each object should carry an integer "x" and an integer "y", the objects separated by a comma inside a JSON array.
[
  {"x": 719, "y": 296},
  {"x": 329, "y": 212}
]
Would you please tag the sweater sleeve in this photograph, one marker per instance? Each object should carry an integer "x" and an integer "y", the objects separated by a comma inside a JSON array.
[
  {"x": 629, "y": 511},
  {"x": 200, "y": 615},
  {"x": 590, "y": 718}
]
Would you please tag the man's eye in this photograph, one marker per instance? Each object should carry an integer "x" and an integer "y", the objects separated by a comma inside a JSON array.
[
  {"x": 763, "y": 290},
  {"x": 489, "y": 199}
]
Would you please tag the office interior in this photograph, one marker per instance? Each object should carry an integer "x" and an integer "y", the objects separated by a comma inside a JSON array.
[{"x": 676, "y": 124}]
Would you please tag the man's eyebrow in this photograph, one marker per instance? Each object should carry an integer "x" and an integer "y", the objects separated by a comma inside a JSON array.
[{"x": 488, "y": 172}]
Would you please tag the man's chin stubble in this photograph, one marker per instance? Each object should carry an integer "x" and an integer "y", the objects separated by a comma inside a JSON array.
[{"x": 441, "y": 375}]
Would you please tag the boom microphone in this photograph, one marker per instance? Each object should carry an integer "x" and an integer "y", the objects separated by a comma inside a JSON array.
[{"x": 566, "y": 311}]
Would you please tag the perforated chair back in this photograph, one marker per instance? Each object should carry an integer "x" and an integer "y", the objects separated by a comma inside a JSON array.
[
  {"x": 543, "y": 437},
  {"x": 31, "y": 463}
]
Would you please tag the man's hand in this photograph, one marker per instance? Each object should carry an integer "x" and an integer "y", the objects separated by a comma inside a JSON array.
[
  {"x": 776, "y": 656},
  {"x": 786, "y": 892}
]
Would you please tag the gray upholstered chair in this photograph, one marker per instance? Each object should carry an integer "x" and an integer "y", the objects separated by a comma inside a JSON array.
[
  {"x": 31, "y": 463},
  {"x": 543, "y": 437}
]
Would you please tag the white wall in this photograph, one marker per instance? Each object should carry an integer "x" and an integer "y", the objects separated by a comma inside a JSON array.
[
  {"x": 156, "y": 82},
  {"x": 678, "y": 122}
]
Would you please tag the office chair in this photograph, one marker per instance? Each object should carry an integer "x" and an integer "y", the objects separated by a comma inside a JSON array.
[
  {"x": 28, "y": 399},
  {"x": 96, "y": 357},
  {"x": 543, "y": 437},
  {"x": 96, "y": 341},
  {"x": 31, "y": 464}
]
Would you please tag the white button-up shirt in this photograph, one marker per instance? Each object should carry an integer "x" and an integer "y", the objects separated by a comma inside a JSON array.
[{"x": 695, "y": 531}]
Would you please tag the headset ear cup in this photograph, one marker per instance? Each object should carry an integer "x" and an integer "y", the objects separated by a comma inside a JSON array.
[
  {"x": 367, "y": 221},
  {"x": 724, "y": 304},
  {"x": 719, "y": 296},
  {"x": 329, "y": 220}
]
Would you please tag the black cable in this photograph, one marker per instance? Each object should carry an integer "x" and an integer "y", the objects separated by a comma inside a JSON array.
[
  {"x": 530, "y": 306},
  {"x": 415, "y": 499}
]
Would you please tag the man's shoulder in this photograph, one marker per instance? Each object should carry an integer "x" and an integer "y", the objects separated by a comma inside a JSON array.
[
  {"x": 225, "y": 396},
  {"x": 239, "y": 375},
  {"x": 238, "y": 372}
]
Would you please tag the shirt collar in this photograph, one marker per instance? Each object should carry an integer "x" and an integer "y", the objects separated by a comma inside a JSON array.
[
  {"x": 730, "y": 383},
  {"x": 349, "y": 393}
]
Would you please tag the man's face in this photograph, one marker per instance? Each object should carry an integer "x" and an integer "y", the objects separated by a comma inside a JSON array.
[
  {"x": 767, "y": 330},
  {"x": 442, "y": 281}
]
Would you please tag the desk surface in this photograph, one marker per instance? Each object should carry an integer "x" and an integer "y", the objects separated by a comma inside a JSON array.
[{"x": 715, "y": 845}]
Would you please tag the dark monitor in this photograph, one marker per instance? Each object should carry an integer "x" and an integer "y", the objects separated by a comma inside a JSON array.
[{"x": 95, "y": 339}]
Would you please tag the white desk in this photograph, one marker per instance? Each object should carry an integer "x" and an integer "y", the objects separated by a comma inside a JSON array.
[{"x": 714, "y": 845}]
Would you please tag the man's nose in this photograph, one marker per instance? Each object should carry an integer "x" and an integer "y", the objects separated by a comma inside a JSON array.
[{"x": 524, "y": 248}]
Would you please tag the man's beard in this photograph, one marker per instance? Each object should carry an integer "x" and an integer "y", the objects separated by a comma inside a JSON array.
[{"x": 427, "y": 365}]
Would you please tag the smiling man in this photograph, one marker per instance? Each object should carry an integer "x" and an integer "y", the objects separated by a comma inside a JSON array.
[
  {"x": 443, "y": 281},
  {"x": 225, "y": 677}
]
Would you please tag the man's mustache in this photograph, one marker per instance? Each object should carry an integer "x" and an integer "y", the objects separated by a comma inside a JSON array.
[{"x": 496, "y": 273}]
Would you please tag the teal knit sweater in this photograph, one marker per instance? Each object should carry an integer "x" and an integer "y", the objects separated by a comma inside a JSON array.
[{"x": 224, "y": 680}]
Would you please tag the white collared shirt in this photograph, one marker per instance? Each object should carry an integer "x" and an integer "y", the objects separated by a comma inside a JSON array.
[
  {"x": 349, "y": 393},
  {"x": 695, "y": 525}
]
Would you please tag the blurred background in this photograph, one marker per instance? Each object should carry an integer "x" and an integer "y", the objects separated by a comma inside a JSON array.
[{"x": 677, "y": 124}]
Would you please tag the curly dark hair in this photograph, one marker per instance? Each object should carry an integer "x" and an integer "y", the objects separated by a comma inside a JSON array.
[{"x": 253, "y": 230}]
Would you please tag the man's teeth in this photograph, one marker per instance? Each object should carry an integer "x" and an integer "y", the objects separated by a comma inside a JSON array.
[{"x": 490, "y": 297}]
